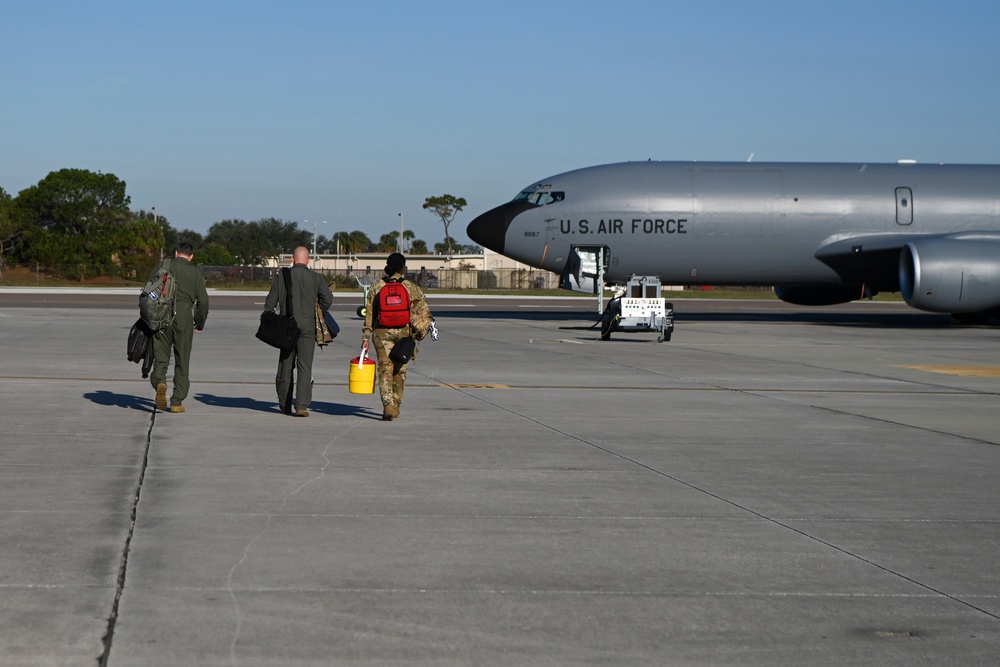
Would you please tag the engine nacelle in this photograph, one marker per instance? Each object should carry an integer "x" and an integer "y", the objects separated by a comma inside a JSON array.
[
  {"x": 959, "y": 274},
  {"x": 819, "y": 295}
]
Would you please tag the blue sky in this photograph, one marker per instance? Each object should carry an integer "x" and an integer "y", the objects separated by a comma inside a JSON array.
[{"x": 352, "y": 113}]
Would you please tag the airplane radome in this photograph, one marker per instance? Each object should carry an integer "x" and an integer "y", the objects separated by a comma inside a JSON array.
[{"x": 820, "y": 233}]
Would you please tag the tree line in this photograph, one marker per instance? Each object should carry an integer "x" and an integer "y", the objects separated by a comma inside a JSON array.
[{"x": 81, "y": 219}]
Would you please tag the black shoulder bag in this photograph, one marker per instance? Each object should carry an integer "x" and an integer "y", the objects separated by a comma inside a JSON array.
[
  {"x": 403, "y": 350},
  {"x": 280, "y": 331}
]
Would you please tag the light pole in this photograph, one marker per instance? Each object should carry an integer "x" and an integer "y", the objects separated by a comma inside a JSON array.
[
  {"x": 400, "y": 233},
  {"x": 314, "y": 236}
]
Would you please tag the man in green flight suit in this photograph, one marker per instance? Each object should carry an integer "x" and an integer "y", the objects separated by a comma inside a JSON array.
[
  {"x": 191, "y": 308},
  {"x": 308, "y": 289}
]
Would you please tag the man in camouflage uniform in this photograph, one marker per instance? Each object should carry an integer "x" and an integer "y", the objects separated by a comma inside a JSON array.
[
  {"x": 191, "y": 310},
  {"x": 392, "y": 374}
]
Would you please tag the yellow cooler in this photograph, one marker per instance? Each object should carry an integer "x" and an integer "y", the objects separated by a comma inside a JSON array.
[{"x": 362, "y": 377}]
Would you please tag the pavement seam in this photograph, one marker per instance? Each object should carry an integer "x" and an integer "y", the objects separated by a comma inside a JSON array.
[
  {"x": 732, "y": 503},
  {"x": 108, "y": 638},
  {"x": 882, "y": 420}
]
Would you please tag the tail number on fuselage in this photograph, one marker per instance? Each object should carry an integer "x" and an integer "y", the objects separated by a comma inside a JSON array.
[{"x": 619, "y": 226}]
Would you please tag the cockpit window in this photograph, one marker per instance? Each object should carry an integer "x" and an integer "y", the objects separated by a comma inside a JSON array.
[{"x": 540, "y": 198}]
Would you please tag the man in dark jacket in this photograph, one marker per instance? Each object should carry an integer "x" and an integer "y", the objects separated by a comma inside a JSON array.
[
  {"x": 191, "y": 311},
  {"x": 308, "y": 289}
]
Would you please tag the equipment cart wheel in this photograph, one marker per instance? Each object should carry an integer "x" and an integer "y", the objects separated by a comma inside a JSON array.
[
  {"x": 668, "y": 323},
  {"x": 366, "y": 285}
]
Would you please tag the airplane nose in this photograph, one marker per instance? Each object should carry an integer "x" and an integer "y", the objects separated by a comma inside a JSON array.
[{"x": 490, "y": 228}]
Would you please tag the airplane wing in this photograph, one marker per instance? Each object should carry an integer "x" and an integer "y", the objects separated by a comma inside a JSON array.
[
  {"x": 842, "y": 246},
  {"x": 865, "y": 259},
  {"x": 847, "y": 245},
  {"x": 954, "y": 272}
]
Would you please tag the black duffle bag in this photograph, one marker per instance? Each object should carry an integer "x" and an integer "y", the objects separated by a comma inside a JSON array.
[{"x": 278, "y": 331}]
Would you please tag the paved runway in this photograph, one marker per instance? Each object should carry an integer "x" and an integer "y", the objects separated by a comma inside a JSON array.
[{"x": 776, "y": 486}]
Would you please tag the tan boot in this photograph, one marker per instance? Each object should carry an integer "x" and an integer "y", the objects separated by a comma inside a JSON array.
[
  {"x": 176, "y": 408},
  {"x": 161, "y": 396},
  {"x": 389, "y": 412}
]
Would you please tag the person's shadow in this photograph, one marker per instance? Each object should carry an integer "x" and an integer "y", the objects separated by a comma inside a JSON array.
[
  {"x": 246, "y": 403},
  {"x": 130, "y": 402},
  {"x": 127, "y": 401}
]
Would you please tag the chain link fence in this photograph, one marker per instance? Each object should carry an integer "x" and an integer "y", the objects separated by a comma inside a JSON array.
[{"x": 261, "y": 277}]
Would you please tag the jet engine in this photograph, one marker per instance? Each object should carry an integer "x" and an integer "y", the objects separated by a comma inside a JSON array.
[
  {"x": 955, "y": 274},
  {"x": 819, "y": 295}
]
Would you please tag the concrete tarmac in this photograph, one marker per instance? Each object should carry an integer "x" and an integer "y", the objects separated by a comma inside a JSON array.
[{"x": 776, "y": 486}]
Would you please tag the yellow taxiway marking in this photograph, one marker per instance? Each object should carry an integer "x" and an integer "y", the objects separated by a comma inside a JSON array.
[{"x": 964, "y": 371}]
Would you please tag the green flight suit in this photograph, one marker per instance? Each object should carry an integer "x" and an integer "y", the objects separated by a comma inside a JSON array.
[
  {"x": 191, "y": 308},
  {"x": 308, "y": 289}
]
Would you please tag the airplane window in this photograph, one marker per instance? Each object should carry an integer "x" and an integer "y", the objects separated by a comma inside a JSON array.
[
  {"x": 541, "y": 198},
  {"x": 532, "y": 197}
]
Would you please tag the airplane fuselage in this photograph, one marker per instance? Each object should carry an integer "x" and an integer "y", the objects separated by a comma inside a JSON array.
[{"x": 804, "y": 226}]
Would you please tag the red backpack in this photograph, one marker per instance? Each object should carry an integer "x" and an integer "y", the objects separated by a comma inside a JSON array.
[{"x": 393, "y": 305}]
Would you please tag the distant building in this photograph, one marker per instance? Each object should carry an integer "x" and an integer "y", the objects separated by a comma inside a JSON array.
[
  {"x": 374, "y": 262},
  {"x": 486, "y": 270}
]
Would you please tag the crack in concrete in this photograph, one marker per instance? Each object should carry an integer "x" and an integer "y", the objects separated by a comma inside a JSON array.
[
  {"x": 267, "y": 524},
  {"x": 107, "y": 639}
]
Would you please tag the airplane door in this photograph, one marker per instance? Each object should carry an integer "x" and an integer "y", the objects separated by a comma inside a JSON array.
[
  {"x": 585, "y": 269},
  {"x": 904, "y": 206}
]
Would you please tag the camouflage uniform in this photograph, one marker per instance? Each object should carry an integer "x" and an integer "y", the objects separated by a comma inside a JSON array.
[{"x": 390, "y": 374}]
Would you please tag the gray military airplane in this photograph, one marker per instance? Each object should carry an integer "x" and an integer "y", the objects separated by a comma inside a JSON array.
[{"x": 820, "y": 234}]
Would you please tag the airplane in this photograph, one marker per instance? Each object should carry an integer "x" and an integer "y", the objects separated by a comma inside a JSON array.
[{"x": 818, "y": 233}]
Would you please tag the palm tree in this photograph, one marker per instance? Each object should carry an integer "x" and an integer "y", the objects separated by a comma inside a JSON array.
[
  {"x": 359, "y": 241},
  {"x": 387, "y": 243},
  {"x": 343, "y": 241},
  {"x": 407, "y": 237}
]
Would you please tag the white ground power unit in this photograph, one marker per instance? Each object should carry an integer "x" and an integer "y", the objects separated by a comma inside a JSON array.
[{"x": 638, "y": 306}]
